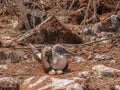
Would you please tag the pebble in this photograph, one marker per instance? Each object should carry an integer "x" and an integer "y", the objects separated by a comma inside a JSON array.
[
  {"x": 79, "y": 59},
  {"x": 3, "y": 67},
  {"x": 8, "y": 83},
  {"x": 113, "y": 61},
  {"x": 117, "y": 87},
  {"x": 84, "y": 74},
  {"x": 101, "y": 57},
  {"x": 91, "y": 56}
]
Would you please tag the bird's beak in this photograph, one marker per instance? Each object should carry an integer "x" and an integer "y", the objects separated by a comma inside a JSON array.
[{"x": 69, "y": 52}]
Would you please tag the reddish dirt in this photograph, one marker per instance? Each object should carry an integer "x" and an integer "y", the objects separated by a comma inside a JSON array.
[{"x": 30, "y": 65}]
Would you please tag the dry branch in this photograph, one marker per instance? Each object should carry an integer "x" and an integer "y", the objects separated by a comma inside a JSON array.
[
  {"x": 51, "y": 31},
  {"x": 32, "y": 20},
  {"x": 11, "y": 56}
]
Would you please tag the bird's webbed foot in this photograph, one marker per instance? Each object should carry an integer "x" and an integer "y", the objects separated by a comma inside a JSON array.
[
  {"x": 59, "y": 72},
  {"x": 52, "y": 72}
]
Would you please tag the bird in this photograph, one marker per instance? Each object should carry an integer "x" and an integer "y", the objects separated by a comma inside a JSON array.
[{"x": 53, "y": 59}]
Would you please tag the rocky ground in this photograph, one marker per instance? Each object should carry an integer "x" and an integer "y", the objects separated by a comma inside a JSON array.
[{"x": 96, "y": 65}]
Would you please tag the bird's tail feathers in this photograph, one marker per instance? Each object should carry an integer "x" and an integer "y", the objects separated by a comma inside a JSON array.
[{"x": 35, "y": 51}]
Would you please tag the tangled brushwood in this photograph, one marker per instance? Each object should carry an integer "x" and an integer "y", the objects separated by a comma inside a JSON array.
[
  {"x": 79, "y": 39},
  {"x": 51, "y": 31},
  {"x": 11, "y": 56}
]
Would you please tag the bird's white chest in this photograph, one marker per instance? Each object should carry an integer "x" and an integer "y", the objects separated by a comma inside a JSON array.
[{"x": 59, "y": 62}]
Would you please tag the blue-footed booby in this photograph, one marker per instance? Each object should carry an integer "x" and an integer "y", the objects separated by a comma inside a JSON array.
[{"x": 53, "y": 59}]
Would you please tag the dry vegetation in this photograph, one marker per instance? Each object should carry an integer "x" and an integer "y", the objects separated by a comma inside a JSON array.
[{"x": 83, "y": 26}]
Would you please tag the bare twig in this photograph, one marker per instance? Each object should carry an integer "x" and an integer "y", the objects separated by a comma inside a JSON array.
[
  {"x": 33, "y": 18},
  {"x": 118, "y": 4},
  {"x": 85, "y": 17},
  {"x": 86, "y": 14},
  {"x": 95, "y": 12},
  {"x": 73, "y": 1},
  {"x": 84, "y": 44},
  {"x": 56, "y": 2},
  {"x": 23, "y": 14}
]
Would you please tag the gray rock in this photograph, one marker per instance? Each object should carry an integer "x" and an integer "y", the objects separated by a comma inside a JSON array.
[
  {"x": 103, "y": 71},
  {"x": 3, "y": 67},
  {"x": 51, "y": 83},
  {"x": 117, "y": 87},
  {"x": 115, "y": 21},
  {"x": 79, "y": 59},
  {"x": 8, "y": 83},
  {"x": 91, "y": 56},
  {"x": 101, "y": 57},
  {"x": 92, "y": 39},
  {"x": 88, "y": 31},
  {"x": 84, "y": 74},
  {"x": 96, "y": 27},
  {"x": 113, "y": 61}
]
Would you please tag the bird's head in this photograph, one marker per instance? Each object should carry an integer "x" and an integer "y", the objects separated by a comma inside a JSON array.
[{"x": 59, "y": 49}]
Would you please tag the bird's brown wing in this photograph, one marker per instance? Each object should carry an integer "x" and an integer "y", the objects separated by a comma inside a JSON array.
[{"x": 46, "y": 57}]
